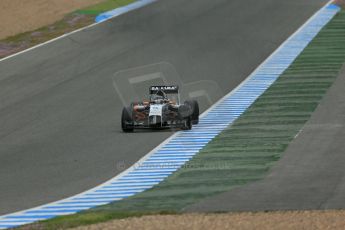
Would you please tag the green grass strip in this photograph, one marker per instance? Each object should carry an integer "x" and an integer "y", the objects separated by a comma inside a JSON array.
[
  {"x": 104, "y": 6},
  {"x": 247, "y": 149},
  {"x": 65, "y": 222}
]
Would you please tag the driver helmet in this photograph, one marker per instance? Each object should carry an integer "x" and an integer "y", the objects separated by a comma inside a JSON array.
[{"x": 159, "y": 97}]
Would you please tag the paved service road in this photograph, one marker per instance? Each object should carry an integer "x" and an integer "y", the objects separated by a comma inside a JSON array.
[
  {"x": 311, "y": 173},
  {"x": 59, "y": 113}
]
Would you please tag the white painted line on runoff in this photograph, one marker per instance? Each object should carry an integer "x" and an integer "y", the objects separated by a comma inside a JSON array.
[{"x": 153, "y": 168}]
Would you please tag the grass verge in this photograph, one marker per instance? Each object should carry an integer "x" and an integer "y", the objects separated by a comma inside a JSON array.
[
  {"x": 104, "y": 6},
  {"x": 247, "y": 149},
  {"x": 80, "y": 219},
  {"x": 69, "y": 23}
]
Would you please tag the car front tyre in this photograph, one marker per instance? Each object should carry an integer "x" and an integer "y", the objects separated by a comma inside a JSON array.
[{"x": 188, "y": 124}]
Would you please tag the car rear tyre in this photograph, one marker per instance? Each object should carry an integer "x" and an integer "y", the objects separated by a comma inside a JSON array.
[
  {"x": 184, "y": 111},
  {"x": 127, "y": 123},
  {"x": 195, "y": 111}
]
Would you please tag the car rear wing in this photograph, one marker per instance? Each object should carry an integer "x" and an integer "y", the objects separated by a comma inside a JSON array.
[{"x": 172, "y": 89}]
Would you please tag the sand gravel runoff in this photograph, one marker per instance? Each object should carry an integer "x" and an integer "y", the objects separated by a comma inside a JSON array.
[
  {"x": 18, "y": 16},
  {"x": 290, "y": 220}
]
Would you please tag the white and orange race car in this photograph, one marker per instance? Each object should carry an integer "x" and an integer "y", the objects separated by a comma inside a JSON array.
[{"x": 161, "y": 110}]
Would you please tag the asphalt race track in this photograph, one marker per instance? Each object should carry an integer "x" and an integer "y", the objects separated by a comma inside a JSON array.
[
  {"x": 60, "y": 128},
  {"x": 310, "y": 175}
]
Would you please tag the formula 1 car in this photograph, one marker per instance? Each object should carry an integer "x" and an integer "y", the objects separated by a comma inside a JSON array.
[{"x": 161, "y": 110}]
